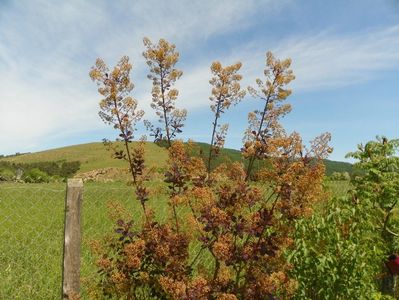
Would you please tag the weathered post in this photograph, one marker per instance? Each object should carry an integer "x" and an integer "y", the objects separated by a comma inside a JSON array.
[{"x": 72, "y": 239}]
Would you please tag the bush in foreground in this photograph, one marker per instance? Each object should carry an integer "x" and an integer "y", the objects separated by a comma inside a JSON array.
[{"x": 242, "y": 228}]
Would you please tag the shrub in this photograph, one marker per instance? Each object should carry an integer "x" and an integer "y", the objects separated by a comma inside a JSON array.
[
  {"x": 340, "y": 176},
  {"x": 7, "y": 175},
  {"x": 241, "y": 227},
  {"x": 36, "y": 176},
  {"x": 340, "y": 252},
  {"x": 337, "y": 254},
  {"x": 59, "y": 168},
  {"x": 69, "y": 169}
]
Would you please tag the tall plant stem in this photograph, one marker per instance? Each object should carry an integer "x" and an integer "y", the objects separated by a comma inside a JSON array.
[
  {"x": 215, "y": 122},
  {"x": 129, "y": 156},
  {"x": 175, "y": 216},
  {"x": 126, "y": 142},
  {"x": 165, "y": 116},
  {"x": 253, "y": 157}
]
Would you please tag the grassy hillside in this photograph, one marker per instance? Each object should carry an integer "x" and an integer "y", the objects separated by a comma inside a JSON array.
[
  {"x": 337, "y": 166},
  {"x": 229, "y": 155},
  {"x": 91, "y": 156},
  {"x": 235, "y": 155},
  {"x": 94, "y": 156}
]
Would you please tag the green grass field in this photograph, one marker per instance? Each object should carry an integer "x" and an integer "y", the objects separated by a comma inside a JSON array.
[
  {"x": 31, "y": 232},
  {"x": 91, "y": 156}
]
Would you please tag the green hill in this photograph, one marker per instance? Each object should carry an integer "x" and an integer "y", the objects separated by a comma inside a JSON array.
[
  {"x": 337, "y": 166},
  {"x": 91, "y": 156},
  {"x": 235, "y": 155},
  {"x": 95, "y": 156}
]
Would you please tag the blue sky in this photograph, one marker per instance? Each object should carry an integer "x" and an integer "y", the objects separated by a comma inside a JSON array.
[{"x": 345, "y": 57}]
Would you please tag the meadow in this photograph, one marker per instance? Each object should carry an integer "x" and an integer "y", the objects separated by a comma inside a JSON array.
[
  {"x": 91, "y": 156},
  {"x": 31, "y": 231}
]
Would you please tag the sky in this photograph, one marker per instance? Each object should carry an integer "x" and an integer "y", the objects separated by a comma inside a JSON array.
[{"x": 345, "y": 56}]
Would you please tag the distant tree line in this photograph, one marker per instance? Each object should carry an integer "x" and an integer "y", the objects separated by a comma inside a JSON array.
[{"x": 38, "y": 171}]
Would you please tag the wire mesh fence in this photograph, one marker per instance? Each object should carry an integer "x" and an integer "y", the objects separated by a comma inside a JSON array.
[
  {"x": 102, "y": 206},
  {"x": 31, "y": 240},
  {"x": 98, "y": 203},
  {"x": 32, "y": 233}
]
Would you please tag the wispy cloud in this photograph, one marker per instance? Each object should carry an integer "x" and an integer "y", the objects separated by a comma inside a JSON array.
[
  {"x": 47, "y": 48},
  {"x": 322, "y": 61},
  {"x": 329, "y": 60}
]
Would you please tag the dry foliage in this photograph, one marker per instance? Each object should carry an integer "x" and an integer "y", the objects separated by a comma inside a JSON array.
[
  {"x": 226, "y": 90},
  {"x": 161, "y": 59},
  {"x": 244, "y": 227}
]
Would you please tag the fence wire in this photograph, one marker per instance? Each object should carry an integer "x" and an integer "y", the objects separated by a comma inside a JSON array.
[
  {"x": 101, "y": 202},
  {"x": 31, "y": 240},
  {"x": 32, "y": 233}
]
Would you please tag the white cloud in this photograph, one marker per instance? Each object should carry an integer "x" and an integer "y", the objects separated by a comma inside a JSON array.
[
  {"x": 47, "y": 49},
  {"x": 329, "y": 60},
  {"x": 322, "y": 61}
]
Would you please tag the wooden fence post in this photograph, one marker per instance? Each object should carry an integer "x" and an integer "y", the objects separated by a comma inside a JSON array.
[{"x": 72, "y": 239}]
